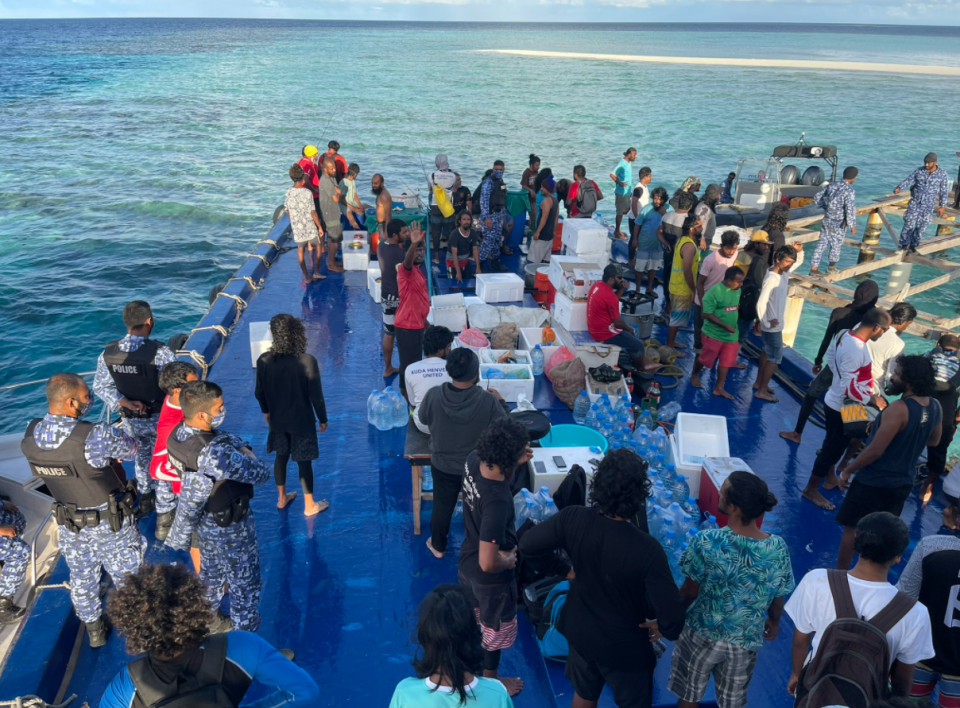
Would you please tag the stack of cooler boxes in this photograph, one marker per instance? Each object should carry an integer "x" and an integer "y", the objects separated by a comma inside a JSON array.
[
  {"x": 356, "y": 250},
  {"x": 586, "y": 239}
]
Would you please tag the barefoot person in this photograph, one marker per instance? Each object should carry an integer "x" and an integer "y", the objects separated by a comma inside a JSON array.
[
  {"x": 721, "y": 306},
  {"x": 290, "y": 395},
  {"x": 849, "y": 359},
  {"x": 330, "y": 210},
  {"x": 683, "y": 280},
  {"x": 384, "y": 203},
  {"x": 304, "y": 222},
  {"x": 771, "y": 308},
  {"x": 488, "y": 554},
  {"x": 389, "y": 256}
]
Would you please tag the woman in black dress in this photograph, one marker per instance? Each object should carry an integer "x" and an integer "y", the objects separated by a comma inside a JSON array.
[{"x": 291, "y": 398}]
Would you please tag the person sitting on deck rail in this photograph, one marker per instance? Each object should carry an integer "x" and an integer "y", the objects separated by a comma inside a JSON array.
[
  {"x": 330, "y": 195},
  {"x": 127, "y": 378},
  {"x": 488, "y": 554},
  {"x": 450, "y": 660},
  {"x": 771, "y": 311},
  {"x": 354, "y": 210},
  {"x": 162, "y": 614},
  {"x": 14, "y": 554},
  {"x": 946, "y": 364},
  {"x": 219, "y": 472},
  {"x": 173, "y": 377},
  {"x": 429, "y": 372},
  {"x": 929, "y": 192},
  {"x": 305, "y": 224},
  {"x": 726, "y": 188},
  {"x": 93, "y": 502}
]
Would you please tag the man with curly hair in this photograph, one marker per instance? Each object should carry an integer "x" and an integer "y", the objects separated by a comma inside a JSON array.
[
  {"x": 161, "y": 613},
  {"x": 622, "y": 580},
  {"x": 488, "y": 554}
]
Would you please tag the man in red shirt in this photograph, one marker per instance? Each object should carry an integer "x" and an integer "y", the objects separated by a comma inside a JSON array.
[
  {"x": 333, "y": 152},
  {"x": 311, "y": 180},
  {"x": 571, "y": 202},
  {"x": 604, "y": 321},
  {"x": 411, "y": 315},
  {"x": 173, "y": 376}
]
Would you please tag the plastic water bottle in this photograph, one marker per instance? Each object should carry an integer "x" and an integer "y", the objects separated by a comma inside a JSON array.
[
  {"x": 669, "y": 411},
  {"x": 519, "y": 500},
  {"x": 691, "y": 533},
  {"x": 608, "y": 432},
  {"x": 549, "y": 509},
  {"x": 669, "y": 475},
  {"x": 660, "y": 440},
  {"x": 679, "y": 487},
  {"x": 527, "y": 511},
  {"x": 592, "y": 416},
  {"x": 690, "y": 506},
  {"x": 676, "y": 513},
  {"x": 426, "y": 482},
  {"x": 645, "y": 420},
  {"x": 709, "y": 524},
  {"x": 666, "y": 499},
  {"x": 666, "y": 525},
  {"x": 383, "y": 412},
  {"x": 371, "y": 412},
  {"x": 581, "y": 408},
  {"x": 687, "y": 521},
  {"x": 542, "y": 495},
  {"x": 669, "y": 543},
  {"x": 536, "y": 357},
  {"x": 401, "y": 411},
  {"x": 654, "y": 520}
]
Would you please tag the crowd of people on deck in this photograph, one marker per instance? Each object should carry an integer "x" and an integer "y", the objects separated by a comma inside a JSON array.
[{"x": 882, "y": 409}]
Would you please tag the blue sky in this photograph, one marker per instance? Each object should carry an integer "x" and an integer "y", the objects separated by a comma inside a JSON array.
[{"x": 853, "y": 11}]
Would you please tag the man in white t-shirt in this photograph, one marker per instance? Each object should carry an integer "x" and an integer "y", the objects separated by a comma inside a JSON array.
[
  {"x": 428, "y": 372},
  {"x": 440, "y": 225},
  {"x": 771, "y": 312},
  {"x": 881, "y": 540},
  {"x": 884, "y": 351}
]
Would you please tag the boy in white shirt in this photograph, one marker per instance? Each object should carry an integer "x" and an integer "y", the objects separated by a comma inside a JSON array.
[
  {"x": 881, "y": 539},
  {"x": 771, "y": 309}
]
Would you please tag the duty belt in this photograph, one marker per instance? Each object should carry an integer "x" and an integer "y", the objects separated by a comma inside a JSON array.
[{"x": 119, "y": 507}]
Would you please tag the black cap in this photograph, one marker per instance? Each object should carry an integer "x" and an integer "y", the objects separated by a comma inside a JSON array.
[
  {"x": 931, "y": 157},
  {"x": 850, "y": 173}
]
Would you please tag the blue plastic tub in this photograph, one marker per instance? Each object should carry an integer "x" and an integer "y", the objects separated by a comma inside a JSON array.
[{"x": 573, "y": 436}]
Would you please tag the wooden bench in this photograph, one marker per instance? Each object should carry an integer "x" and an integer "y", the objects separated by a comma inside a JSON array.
[{"x": 416, "y": 450}]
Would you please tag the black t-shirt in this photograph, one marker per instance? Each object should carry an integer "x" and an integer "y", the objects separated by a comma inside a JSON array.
[
  {"x": 487, "y": 516},
  {"x": 777, "y": 241},
  {"x": 940, "y": 594},
  {"x": 464, "y": 244},
  {"x": 460, "y": 197},
  {"x": 389, "y": 256},
  {"x": 622, "y": 579}
]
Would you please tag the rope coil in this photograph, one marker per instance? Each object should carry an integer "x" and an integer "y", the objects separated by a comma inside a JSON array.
[
  {"x": 36, "y": 702},
  {"x": 256, "y": 285}
]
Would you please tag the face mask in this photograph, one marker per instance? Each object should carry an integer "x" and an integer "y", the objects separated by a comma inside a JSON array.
[
  {"x": 217, "y": 420},
  {"x": 498, "y": 173},
  {"x": 85, "y": 408}
]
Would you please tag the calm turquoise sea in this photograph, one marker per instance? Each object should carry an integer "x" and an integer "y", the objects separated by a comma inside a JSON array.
[{"x": 142, "y": 158}]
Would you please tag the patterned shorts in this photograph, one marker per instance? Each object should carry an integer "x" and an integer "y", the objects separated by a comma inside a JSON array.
[
  {"x": 300, "y": 447},
  {"x": 496, "y": 609},
  {"x": 695, "y": 658},
  {"x": 924, "y": 681},
  {"x": 680, "y": 306}
]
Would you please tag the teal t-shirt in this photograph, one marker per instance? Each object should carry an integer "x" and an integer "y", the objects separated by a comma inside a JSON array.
[
  {"x": 725, "y": 304},
  {"x": 624, "y": 174},
  {"x": 739, "y": 577},
  {"x": 420, "y": 693}
]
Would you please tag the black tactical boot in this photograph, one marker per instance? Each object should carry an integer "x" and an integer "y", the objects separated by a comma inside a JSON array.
[
  {"x": 164, "y": 522},
  {"x": 148, "y": 503},
  {"x": 10, "y": 613},
  {"x": 97, "y": 633}
]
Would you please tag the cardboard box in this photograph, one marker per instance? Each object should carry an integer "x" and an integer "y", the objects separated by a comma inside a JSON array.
[{"x": 260, "y": 340}]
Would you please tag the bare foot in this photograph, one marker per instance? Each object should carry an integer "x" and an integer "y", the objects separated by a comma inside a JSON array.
[
  {"x": 791, "y": 435},
  {"x": 695, "y": 381},
  {"x": 679, "y": 354},
  {"x": 766, "y": 396},
  {"x": 335, "y": 269},
  {"x": 286, "y": 500},
  {"x": 677, "y": 346},
  {"x": 722, "y": 393},
  {"x": 387, "y": 373},
  {"x": 817, "y": 498},
  {"x": 513, "y": 685},
  {"x": 435, "y": 552},
  {"x": 317, "y": 507},
  {"x": 831, "y": 481},
  {"x": 739, "y": 365},
  {"x": 317, "y": 276}
]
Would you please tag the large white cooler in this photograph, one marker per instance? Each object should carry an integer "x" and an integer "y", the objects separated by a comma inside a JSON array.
[
  {"x": 499, "y": 287},
  {"x": 356, "y": 252},
  {"x": 531, "y": 337},
  {"x": 585, "y": 236},
  {"x": 260, "y": 340},
  {"x": 373, "y": 283},
  {"x": 449, "y": 311},
  {"x": 555, "y": 268},
  {"x": 571, "y": 314},
  {"x": 591, "y": 353},
  {"x": 695, "y": 438}
]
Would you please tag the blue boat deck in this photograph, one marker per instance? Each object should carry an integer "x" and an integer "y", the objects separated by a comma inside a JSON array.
[{"x": 342, "y": 588}]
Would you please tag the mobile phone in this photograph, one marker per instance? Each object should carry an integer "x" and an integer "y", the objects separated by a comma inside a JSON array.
[
  {"x": 594, "y": 461},
  {"x": 558, "y": 461},
  {"x": 539, "y": 467}
]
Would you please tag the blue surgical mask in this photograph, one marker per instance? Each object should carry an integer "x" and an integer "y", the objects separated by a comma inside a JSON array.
[
  {"x": 217, "y": 420},
  {"x": 498, "y": 173},
  {"x": 86, "y": 407}
]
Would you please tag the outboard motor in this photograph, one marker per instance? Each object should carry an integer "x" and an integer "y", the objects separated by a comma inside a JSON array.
[
  {"x": 789, "y": 175},
  {"x": 812, "y": 176}
]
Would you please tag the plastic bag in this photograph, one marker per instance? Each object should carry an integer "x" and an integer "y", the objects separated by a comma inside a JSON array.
[
  {"x": 568, "y": 378},
  {"x": 558, "y": 357},
  {"x": 504, "y": 336},
  {"x": 524, "y": 404},
  {"x": 473, "y": 339}
]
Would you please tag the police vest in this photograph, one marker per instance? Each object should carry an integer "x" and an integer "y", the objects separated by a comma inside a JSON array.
[
  {"x": 498, "y": 195},
  {"x": 135, "y": 374},
  {"x": 67, "y": 474},
  {"x": 183, "y": 456}
]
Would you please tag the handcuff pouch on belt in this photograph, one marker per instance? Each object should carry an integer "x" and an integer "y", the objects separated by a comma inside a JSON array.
[{"x": 229, "y": 502}]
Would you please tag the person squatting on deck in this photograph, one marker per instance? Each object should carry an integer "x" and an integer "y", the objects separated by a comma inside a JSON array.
[
  {"x": 76, "y": 460},
  {"x": 839, "y": 201},
  {"x": 14, "y": 554},
  {"x": 127, "y": 378},
  {"x": 219, "y": 472},
  {"x": 928, "y": 193}
]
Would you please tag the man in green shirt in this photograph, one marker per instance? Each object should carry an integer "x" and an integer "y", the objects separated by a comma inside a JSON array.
[{"x": 721, "y": 308}]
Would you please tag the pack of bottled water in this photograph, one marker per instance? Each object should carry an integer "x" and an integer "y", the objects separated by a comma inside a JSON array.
[
  {"x": 538, "y": 507},
  {"x": 387, "y": 409}
]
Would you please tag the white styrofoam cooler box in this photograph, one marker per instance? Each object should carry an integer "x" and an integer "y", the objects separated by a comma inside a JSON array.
[
  {"x": 690, "y": 472},
  {"x": 449, "y": 311},
  {"x": 522, "y": 357},
  {"x": 594, "y": 397},
  {"x": 554, "y": 476},
  {"x": 260, "y": 340},
  {"x": 570, "y": 314},
  {"x": 585, "y": 236},
  {"x": 695, "y": 438},
  {"x": 499, "y": 287},
  {"x": 510, "y": 389},
  {"x": 601, "y": 258},
  {"x": 357, "y": 236},
  {"x": 555, "y": 268},
  {"x": 355, "y": 252},
  {"x": 591, "y": 353},
  {"x": 373, "y": 284}
]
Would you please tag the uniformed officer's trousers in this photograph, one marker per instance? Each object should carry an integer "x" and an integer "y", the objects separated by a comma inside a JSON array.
[
  {"x": 915, "y": 223},
  {"x": 832, "y": 236},
  {"x": 231, "y": 555},
  {"x": 166, "y": 499},
  {"x": 93, "y": 550},
  {"x": 15, "y": 553},
  {"x": 144, "y": 431}
]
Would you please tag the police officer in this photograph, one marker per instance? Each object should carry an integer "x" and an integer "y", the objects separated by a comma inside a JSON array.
[
  {"x": 493, "y": 202},
  {"x": 218, "y": 472},
  {"x": 839, "y": 201},
  {"x": 928, "y": 192},
  {"x": 93, "y": 501},
  {"x": 127, "y": 377},
  {"x": 14, "y": 553}
]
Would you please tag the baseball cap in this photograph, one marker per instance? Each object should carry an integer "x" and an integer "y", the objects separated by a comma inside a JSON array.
[
  {"x": 931, "y": 157},
  {"x": 760, "y": 236}
]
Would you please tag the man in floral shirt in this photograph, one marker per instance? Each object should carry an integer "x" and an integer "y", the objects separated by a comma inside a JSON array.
[
  {"x": 737, "y": 578},
  {"x": 304, "y": 222}
]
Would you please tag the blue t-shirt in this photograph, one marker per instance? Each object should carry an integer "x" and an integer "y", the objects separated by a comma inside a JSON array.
[
  {"x": 421, "y": 693},
  {"x": 624, "y": 174},
  {"x": 649, "y": 220}
]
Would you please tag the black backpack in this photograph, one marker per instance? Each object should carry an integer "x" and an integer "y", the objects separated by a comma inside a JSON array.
[
  {"x": 852, "y": 663},
  {"x": 586, "y": 199},
  {"x": 475, "y": 200},
  {"x": 202, "y": 690}
]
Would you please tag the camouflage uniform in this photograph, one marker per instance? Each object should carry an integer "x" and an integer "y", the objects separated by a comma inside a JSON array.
[
  {"x": 226, "y": 554},
  {"x": 14, "y": 552},
  {"x": 928, "y": 190},
  {"x": 492, "y": 237},
  {"x": 840, "y": 202},
  {"x": 143, "y": 430},
  {"x": 95, "y": 548}
]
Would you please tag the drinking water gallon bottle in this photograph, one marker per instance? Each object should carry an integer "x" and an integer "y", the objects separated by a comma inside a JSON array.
[
  {"x": 371, "y": 400},
  {"x": 592, "y": 415},
  {"x": 536, "y": 356},
  {"x": 709, "y": 524},
  {"x": 669, "y": 543},
  {"x": 680, "y": 488},
  {"x": 401, "y": 411},
  {"x": 383, "y": 413},
  {"x": 666, "y": 499},
  {"x": 581, "y": 408},
  {"x": 549, "y": 509}
]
